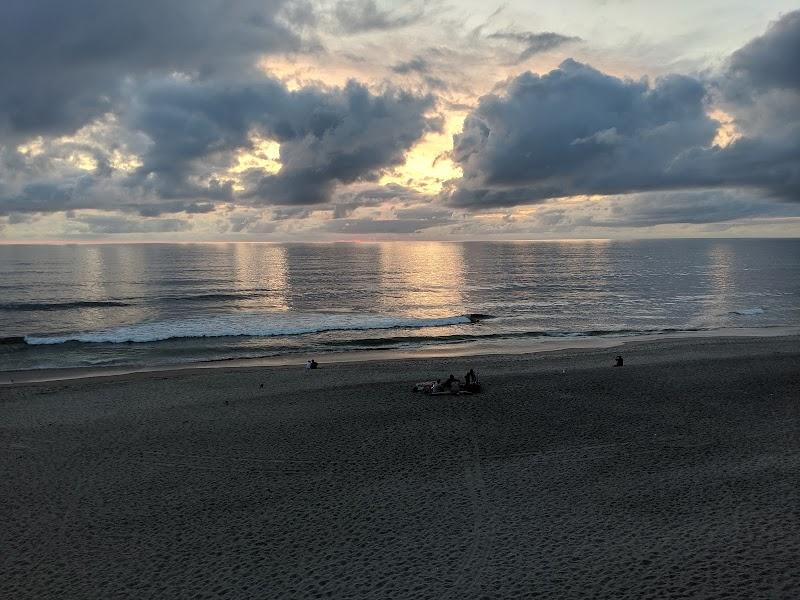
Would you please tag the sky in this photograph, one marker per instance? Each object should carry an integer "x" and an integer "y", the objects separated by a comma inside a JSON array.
[{"x": 308, "y": 120}]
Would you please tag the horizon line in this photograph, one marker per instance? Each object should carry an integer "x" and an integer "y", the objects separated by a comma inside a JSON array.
[{"x": 379, "y": 241}]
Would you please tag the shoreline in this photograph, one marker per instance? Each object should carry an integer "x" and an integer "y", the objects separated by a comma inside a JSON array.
[{"x": 499, "y": 347}]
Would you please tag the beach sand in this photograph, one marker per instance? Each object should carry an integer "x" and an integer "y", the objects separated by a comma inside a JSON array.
[{"x": 676, "y": 476}]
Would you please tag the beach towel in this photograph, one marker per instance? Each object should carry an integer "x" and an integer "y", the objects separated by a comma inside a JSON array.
[{"x": 424, "y": 386}]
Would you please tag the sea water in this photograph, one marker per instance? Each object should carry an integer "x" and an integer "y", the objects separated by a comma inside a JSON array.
[{"x": 145, "y": 305}]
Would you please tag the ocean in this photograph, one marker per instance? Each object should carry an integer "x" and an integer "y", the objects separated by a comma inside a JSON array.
[{"x": 146, "y": 305}]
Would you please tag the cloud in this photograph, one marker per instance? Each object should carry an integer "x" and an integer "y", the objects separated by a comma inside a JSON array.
[
  {"x": 343, "y": 136},
  {"x": 148, "y": 110},
  {"x": 48, "y": 197},
  {"x": 373, "y": 226},
  {"x": 760, "y": 88},
  {"x": 348, "y": 200},
  {"x": 425, "y": 212},
  {"x": 415, "y": 65},
  {"x": 356, "y": 16},
  {"x": 423, "y": 68},
  {"x": 191, "y": 208},
  {"x": 576, "y": 131},
  {"x": 114, "y": 224},
  {"x": 660, "y": 208},
  {"x": 534, "y": 43},
  {"x": 62, "y": 64},
  {"x": 770, "y": 61},
  {"x": 193, "y": 128},
  {"x": 760, "y": 85}
]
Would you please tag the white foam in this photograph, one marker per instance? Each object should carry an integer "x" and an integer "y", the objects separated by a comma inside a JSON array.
[{"x": 247, "y": 324}]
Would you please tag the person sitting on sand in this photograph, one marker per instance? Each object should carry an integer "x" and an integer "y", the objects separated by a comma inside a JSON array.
[
  {"x": 312, "y": 364},
  {"x": 452, "y": 384},
  {"x": 619, "y": 361}
]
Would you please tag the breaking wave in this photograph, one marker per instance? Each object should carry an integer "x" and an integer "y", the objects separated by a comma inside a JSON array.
[{"x": 250, "y": 325}]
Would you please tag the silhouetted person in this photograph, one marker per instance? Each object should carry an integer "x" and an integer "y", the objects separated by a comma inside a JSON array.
[
  {"x": 470, "y": 377},
  {"x": 619, "y": 361},
  {"x": 451, "y": 384},
  {"x": 472, "y": 384}
]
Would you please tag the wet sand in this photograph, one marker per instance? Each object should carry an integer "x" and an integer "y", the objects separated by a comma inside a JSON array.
[{"x": 676, "y": 476}]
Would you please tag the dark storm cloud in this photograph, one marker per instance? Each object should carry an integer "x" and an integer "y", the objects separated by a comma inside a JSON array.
[
  {"x": 326, "y": 136},
  {"x": 355, "y": 16},
  {"x": 47, "y": 197},
  {"x": 534, "y": 43},
  {"x": 761, "y": 84},
  {"x": 193, "y": 128},
  {"x": 770, "y": 164},
  {"x": 342, "y": 136},
  {"x": 85, "y": 192},
  {"x": 772, "y": 60},
  {"x": 577, "y": 131},
  {"x": 62, "y": 63},
  {"x": 761, "y": 90}
]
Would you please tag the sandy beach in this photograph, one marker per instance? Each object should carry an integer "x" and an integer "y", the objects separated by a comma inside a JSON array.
[{"x": 676, "y": 476}]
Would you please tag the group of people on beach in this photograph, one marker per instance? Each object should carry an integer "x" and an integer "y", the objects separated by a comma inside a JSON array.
[{"x": 451, "y": 385}]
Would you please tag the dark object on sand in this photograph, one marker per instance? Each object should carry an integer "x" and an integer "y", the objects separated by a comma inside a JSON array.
[
  {"x": 619, "y": 361},
  {"x": 312, "y": 364},
  {"x": 450, "y": 386}
]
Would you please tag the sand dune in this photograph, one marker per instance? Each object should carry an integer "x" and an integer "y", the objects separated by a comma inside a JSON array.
[{"x": 677, "y": 476}]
